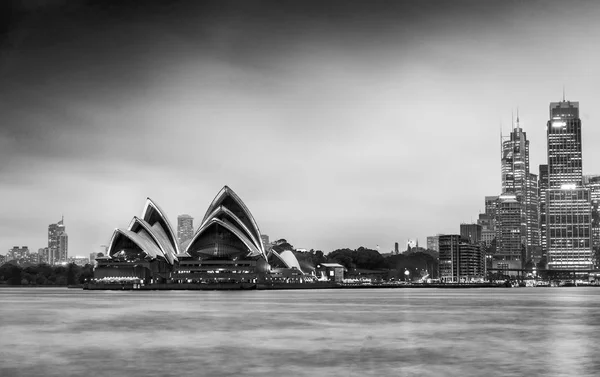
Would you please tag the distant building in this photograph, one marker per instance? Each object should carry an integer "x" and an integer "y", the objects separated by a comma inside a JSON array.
[
  {"x": 63, "y": 247},
  {"x": 2, "y": 259},
  {"x": 460, "y": 260},
  {"x": 491, "y": 206},
  {"x": 93, "y": 258},
  {"x": 19, "y": 254},
  {"x": 54, "y": 254},
  {"x": 330, "y": 271},
  {"x": 43, "y": 255},
  {"x": 80, "y": 261},
  {"x": 471, "y": 232},
  {"x": 488, "y": 228},
  {"x": 411, "y": 243},
  {"x": 185, "y": 228},
  {"x": 433, "y": 243},
  {"x": 396, "y": 248}
]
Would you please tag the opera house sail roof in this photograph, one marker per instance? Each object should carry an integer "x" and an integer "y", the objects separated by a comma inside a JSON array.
[{"x": 228, "y": 230}]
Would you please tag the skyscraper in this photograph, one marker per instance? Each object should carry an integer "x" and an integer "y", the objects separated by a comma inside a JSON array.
[
  {"x": 568, "y": 203},
  {"x": 54, "y": 231},
  {"x": 518, "y": 181},
  {"x": 185, "y": 228},
  {"x": 542, "y": 189},
  {"x": 592, "y": 182}
]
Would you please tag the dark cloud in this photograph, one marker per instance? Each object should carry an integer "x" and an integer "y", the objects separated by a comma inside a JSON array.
[{"x": 324, "y": 116}]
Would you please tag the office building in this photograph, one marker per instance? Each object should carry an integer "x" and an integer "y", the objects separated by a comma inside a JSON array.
[
  {"x": 542, "y": 189},
  {"x": 471, "y": 232},
  {"x": 460, "y": 260},
  {"x": 185, "y": 228},
  {"x": 510, "y": 240},
  {"x": 592, "y": 182},
  {"x": 568, "y": 203},
  {"x": 518, "y": 181}
]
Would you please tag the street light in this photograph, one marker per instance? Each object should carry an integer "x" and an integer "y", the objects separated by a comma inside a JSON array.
[{"x": 406, "y": 273}]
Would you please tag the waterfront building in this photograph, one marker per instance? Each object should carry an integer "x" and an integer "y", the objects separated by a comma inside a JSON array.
[
  {"x": 568, "y": 203},
  {"x": 185, "y": 228},
  {"x": 460, "y": 260},
  {"x": 226, "y": 248},
  {"x": 510, "y": 240},
  {"x": 433, "y": 243},
  {"x": 330, "y": 272},
  {"x": 57, "y": 251},
  {"x": 471, "y": 232}
]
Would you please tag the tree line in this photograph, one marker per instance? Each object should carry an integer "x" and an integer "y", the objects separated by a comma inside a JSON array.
[{"x": 44, "y": 274}]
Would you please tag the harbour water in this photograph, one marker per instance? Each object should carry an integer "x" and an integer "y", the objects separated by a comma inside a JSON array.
[{"x": 378, "y": 332}]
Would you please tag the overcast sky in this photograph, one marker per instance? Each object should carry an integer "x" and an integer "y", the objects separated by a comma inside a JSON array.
[{"x": 339, "y": 125}]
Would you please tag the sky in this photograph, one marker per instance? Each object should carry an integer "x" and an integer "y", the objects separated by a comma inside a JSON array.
[{"x": 338, "y": 123}]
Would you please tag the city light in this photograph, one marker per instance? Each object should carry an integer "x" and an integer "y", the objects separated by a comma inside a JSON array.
[{"x": 559, "y": 124}]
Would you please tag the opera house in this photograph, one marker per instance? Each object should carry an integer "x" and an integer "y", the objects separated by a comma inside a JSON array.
[{"x": 225, "y": 249}]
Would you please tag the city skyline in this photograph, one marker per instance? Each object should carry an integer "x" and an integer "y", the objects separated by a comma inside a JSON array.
[{"x": 354, "y": 110}]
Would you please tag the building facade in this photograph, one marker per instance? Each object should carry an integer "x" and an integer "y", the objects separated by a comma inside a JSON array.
[
  {"x": 471, "y": 232},
  {"x": 568, "y": 203},
  {"x": 510, "y": 240},
  {"x": 542, "y": 189},
  {"x": 460, "y": 260}
]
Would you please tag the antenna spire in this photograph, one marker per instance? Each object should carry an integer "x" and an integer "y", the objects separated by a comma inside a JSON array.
[
  {"x": 563, "y": 93},
  {"x": 517, "y": 117}
]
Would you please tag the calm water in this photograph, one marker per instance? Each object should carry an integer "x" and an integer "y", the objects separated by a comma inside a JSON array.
[{"x": 375, "y": 332}]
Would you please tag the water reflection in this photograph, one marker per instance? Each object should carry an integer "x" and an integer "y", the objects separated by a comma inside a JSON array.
[{"x": 414, "y": 332}]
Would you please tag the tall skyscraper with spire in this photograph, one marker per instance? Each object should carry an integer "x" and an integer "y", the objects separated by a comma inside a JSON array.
[
  {"x": 518, "y": 224},
  {"x": 568, "y": 203}
]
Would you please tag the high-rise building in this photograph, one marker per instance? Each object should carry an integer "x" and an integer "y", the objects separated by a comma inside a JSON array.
[
  {"x": 510, "y": 248},
  {"x": 185, "y": 228},
  {"x": 542, "y": 189},
  {"x": 471, "y": 232},
  {"x": 396, "y": 248},
  {"x": 433, "y": 243},
  {"x": 592, "y": 182},
  {"x": 568, "y": 203},
  {"x": 63, "y": 247},
  {"x": 460, "y": 260},
  {"x": 54, "y": 231},
  {"x": 518, "y": 181}
]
